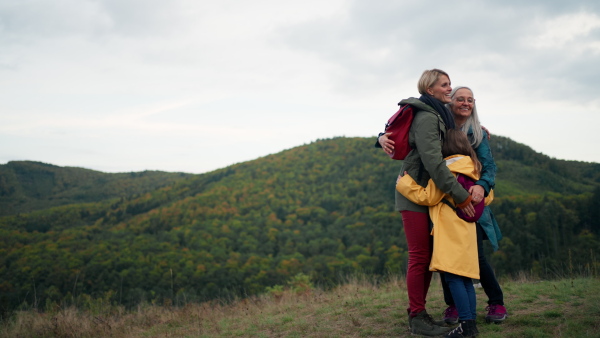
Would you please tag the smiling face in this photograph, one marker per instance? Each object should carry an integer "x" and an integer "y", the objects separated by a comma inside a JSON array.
[
  {"x": 462, "y": 104},
  {"x": 441, "y": 89}
]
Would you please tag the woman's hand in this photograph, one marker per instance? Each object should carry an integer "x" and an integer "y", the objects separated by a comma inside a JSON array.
[
  {"x": 386, "y": 143},
  {"x": 478, "y": 193},
  {"x": 488, "y": 132}
]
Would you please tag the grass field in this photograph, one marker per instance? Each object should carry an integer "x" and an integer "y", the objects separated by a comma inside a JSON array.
[{"x": 359, "y": 308}]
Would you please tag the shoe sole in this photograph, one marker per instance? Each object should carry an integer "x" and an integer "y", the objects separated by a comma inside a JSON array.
[
  {"x": 429, "y": 333},
  {"x": 495, "y": 321}
]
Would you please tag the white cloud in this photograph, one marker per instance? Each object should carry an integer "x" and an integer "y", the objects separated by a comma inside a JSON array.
[
  {"x": 130, "y": 85},
  {"x": 565, "y": 31}
]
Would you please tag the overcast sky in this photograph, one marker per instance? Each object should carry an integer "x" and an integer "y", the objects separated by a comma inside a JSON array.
[{"x": 194, "y": 86}]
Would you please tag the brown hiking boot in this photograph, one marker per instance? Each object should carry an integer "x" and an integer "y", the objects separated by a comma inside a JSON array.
[{"x": 424, "y": 325}]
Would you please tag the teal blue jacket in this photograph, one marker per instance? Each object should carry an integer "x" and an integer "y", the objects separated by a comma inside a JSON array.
[
  {"x": 488, "y": 166},
  {"x": 487, "y": 221}
]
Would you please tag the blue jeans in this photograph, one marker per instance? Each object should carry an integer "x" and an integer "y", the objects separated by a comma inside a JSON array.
[
  {"x": 463, "y": 294},
  {"x": 486, "y": 277}
]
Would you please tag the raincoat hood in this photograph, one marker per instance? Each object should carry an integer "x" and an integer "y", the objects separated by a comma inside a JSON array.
[{"x": 462, "y": 164}]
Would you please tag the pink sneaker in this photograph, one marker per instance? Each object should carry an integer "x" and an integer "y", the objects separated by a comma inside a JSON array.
[
  {"x": 451, "y": 315},
  {"x": 496, "y": 313}
]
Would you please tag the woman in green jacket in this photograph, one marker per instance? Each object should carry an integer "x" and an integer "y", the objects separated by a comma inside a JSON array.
[{"x": 425, "y": 162}]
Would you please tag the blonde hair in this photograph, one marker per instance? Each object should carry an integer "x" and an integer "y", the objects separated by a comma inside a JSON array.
[
  {"x": 456, "y": 142},
  {"x": 429, "y": 78}
]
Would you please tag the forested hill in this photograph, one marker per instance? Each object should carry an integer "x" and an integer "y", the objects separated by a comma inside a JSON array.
[
  {"x": 521, "y": 170},
  {"x": 26, "y": 186},
  {"x": 323, "y": 209}
]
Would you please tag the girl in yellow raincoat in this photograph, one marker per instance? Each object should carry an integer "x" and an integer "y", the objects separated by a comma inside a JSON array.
[{"x": 454, "y": 233}]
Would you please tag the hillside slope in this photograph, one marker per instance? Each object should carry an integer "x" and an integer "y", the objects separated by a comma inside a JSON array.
[
  {"x": 324, "y": 209},
  {"x": 26, "y": 186}
]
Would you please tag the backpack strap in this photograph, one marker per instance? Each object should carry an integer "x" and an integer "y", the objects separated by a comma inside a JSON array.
[{"x": 446, "y": 202}]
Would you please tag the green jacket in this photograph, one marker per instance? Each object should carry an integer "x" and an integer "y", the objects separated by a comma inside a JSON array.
[{"x": 425, "y": 161}]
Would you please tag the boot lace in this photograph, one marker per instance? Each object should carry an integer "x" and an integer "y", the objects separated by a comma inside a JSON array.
[
  {"x": 457, "y": 332},
  {"x": 429, "y": 320}
]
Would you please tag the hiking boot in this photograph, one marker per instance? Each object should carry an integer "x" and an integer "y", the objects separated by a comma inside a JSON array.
[
  {"x": 496, "y": 313},
  {"x": 466, "y": 328},
  {"x": 451, "y": 315},
  {"x": 436, "y": 322},
  {"x": 424, "y": 325}
]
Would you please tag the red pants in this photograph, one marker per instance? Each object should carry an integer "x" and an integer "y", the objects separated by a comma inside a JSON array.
[{"x": 420, "y": 247}]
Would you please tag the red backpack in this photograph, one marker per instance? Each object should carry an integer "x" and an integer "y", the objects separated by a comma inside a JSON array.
[{"x": 399, "y": 126}]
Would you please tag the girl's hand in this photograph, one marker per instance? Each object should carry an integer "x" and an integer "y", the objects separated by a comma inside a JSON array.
[
  {"x": 400, "y": 176},
  {"x": 469, "y": 210}
]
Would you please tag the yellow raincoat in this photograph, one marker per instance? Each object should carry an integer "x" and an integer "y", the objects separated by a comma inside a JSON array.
[{"x": 454, "y": 240}]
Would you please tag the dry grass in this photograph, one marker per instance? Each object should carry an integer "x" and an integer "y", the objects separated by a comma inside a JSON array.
[{"x": 360, "y": 308}]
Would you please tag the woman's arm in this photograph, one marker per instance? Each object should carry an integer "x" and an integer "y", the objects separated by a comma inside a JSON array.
[
  {"x": 488, "y": 170},
  {"x": 427, "y": 141}
]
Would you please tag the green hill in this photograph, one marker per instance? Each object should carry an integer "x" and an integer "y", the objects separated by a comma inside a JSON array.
[
  {"x": 323, "y": 209},
  {"x": 522, "y": 171},
  {"x": 26, "y": 186}
]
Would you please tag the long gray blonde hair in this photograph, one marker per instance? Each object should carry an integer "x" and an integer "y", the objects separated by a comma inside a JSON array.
[{"x": 472, "y": 122}]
